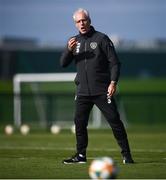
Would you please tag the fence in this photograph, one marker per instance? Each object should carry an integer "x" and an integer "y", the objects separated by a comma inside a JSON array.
[
  {"x": 44, "y": 109},
  {"x": 135, "y": 62}
]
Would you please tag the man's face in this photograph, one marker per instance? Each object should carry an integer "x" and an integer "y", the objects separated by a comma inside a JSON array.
[{"x": 82, "y": 22}]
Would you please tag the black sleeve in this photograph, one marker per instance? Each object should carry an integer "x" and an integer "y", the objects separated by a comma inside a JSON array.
[
  {"x": 66, "y": 58},
  {"x": 110, "y": 53}
]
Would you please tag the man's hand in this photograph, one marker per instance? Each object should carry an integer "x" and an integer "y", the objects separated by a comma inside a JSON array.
[
  {"x": 72, "y": 44},
  {"x": 111, "y": 88}
]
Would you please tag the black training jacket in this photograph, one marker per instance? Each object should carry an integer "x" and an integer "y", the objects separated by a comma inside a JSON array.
[{"x": 96, "y": 62}]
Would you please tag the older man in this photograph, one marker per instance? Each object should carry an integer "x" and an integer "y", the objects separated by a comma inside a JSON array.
[{"x": 98, "y": 70}]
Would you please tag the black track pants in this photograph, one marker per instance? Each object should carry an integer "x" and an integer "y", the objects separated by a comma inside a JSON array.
[{"x": 84, "y": 105}]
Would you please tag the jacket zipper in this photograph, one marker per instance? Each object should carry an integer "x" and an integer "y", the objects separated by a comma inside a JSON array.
[{"x": 86, "y": 70}]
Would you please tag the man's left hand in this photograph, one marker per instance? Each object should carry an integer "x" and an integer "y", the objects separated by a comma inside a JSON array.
[{"x": 111, "y": 89}]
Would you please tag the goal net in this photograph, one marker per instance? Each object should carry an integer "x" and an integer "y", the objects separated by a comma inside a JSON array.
[{"x": 45, "y": 99}]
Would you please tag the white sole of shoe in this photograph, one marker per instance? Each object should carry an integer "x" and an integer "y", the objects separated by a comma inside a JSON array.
[{"x": 81, "y": 162}]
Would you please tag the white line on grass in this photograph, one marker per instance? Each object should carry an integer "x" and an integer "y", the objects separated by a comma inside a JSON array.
[{"x": 73, "y": 149}]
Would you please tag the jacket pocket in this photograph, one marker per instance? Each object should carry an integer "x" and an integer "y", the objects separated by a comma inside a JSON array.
[{"x": 103, "y": 78}]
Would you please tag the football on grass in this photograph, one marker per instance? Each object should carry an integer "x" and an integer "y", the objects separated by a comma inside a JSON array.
[
  {"x": 55, "y": 129},
  {"x": 103, "y": 168},
  {"x": 24, "y": 129},
  {"x": 9, "y": 130}
]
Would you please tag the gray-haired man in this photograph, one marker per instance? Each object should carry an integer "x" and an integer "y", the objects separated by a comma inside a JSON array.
[{"x": 98, "y": 70}]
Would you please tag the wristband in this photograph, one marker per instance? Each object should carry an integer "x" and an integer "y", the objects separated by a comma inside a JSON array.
[{"x": 113, "y": 82}]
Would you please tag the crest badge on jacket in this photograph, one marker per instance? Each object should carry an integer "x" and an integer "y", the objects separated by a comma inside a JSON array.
[{"x": 93, "y": 45}]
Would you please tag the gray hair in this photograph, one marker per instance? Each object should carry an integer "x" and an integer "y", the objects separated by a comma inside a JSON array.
[{"x": 81, "y": 10}]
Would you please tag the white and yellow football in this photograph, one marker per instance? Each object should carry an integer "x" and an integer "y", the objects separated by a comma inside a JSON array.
[{"x": 103, "y": 168}]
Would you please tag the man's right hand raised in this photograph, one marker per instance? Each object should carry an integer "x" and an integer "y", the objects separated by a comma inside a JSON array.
[{"x": 72, "y": 44}]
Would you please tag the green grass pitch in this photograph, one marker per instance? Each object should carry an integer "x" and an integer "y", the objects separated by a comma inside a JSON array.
[{"x": 39, "y": 154}]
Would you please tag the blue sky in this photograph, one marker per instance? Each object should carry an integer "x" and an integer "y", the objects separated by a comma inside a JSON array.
[{"x": 50, "y": 21}]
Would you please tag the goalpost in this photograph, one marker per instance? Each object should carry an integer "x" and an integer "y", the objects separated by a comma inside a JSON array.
[{"x": 43, "y": 77}]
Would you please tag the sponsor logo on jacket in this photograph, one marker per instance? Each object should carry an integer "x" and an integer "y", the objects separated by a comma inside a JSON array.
[{"x": 78, "y": 47}]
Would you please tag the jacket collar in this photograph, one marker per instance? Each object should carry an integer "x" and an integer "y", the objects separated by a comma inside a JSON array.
[{"x": 89, "y": 33}]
